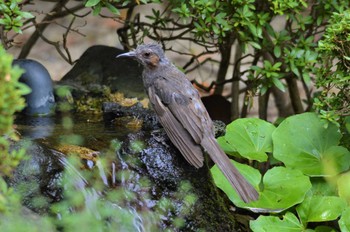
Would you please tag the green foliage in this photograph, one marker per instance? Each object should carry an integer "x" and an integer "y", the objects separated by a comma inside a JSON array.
[
  {"x": 311, "y": 179},
  {"x": 11, "y": 15},
  {"x": 215, "y": 19},
  {"x": 11, "y": 101},
  {"x": 112, "y": 6},
  {"x": 333, "y": 72}
]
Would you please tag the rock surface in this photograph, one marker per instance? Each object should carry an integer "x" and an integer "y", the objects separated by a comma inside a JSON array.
[{"x": 99, "y": 67}]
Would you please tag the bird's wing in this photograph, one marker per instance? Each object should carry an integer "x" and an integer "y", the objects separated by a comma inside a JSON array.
[
  {"x": 175, "y": 127},
  {"x": 181, "y": 113}
]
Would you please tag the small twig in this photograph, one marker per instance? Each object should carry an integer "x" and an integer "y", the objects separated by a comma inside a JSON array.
[{"x": 65, "y": 35}]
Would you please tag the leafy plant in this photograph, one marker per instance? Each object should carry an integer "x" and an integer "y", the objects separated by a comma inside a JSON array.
[
  {"x": 11, "y": 101},
  {"x": 333, "y": 102},
  {"x": 312, "y": 167},
  {"x": 12, "y": 16}
]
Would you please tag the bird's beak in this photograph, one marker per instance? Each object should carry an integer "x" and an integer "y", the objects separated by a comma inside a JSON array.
[{"x": 128, "y": 54}]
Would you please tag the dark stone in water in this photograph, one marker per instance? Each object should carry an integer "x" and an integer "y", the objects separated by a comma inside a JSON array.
[
  {"x": 163, "y": 164},
  {"x": 38, "y": 177},
  {"x": 99, "y": 67},
  {"x": 41, "y": 100},
  {"x": 112, "y": 110}
]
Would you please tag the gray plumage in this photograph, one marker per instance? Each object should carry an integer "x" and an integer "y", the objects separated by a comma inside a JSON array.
[{"x": 183, "y": 115}]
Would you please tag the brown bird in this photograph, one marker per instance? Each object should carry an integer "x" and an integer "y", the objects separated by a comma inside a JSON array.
[{"x": 183, "y": 115}]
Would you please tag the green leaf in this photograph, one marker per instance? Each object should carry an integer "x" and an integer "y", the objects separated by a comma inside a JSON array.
[
  {"x": 97, "y": 9},
  {"x": 226, "y": 146},
  {"x": 335, "y": 159},
  {"x": 250, "y": 137},
  {"x": 324, "y": 229},
  {"x": 307, "y": 143},
  {"x": 306, "y": 78},
  {"x": 344, "y": 221},
  {"x": 278, "y": 84},
  {"x": 277, "y": 51},
  {"x": 320, "y": 208},
  {"x": 91, "y": 3},
  {"x": 252, "y": 175},
  {"x": 289, "y": 223},
  {"x": 26, "y": 15},
  {"x": 255, "y": 45},
  {"x": 320, "y": 187},
  {"x": 280, "y": 190},
  {"x": 344, "y": 187},
  {"x": 347, "y": 123},
  {"x": 112, "y": 8},
  {"x": 294, "y": 69}
]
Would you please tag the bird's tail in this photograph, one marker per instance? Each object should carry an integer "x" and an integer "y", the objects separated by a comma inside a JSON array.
[{"x": 239, "y": 183}]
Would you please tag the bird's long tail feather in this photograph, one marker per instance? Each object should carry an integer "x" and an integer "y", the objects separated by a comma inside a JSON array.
[{"x": 241, "y": 185}]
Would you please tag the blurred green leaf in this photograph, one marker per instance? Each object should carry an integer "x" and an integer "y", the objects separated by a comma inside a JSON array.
[
  {"x": 344, "y": 187},
  {"x": 91, "y": 3},
  {"x": 344, "y": 222},
  {"x": 307, "y": 143}
]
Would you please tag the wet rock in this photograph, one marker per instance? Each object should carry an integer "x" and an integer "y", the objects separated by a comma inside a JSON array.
[
  {"x": 38, "y": 177},
  {"x": 163, "y": 164},
  {"x": 41, "y": 100},
  {"x": 98, "y": 67},
  {"x": 112, "y": 110}
]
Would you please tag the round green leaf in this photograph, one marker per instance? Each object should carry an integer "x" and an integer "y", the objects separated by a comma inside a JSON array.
[
  {"x": 321, "y": 187},
  {"x": 226, "y": 146},
  {"x": 289, "y": 223},
  {"x": 335, "y": 159},
  {"x": 250, "y": 137},
  {"x": 283, "y": 188},
  {"x": 304, "y": 142},
  {"x": 320, "y": 208},
  {"x": 344, "y": 221}
]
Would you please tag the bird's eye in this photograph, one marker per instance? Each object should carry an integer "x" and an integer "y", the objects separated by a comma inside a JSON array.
[{"x": 147, "y": 54}]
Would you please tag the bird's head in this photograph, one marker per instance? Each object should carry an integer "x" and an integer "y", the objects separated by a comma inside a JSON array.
[{"x": 149, "y": 55}]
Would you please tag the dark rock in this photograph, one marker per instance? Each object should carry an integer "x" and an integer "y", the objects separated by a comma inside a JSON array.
[
  {"x": 112, "y": 110},
  {"x": 41, "y": 100},
  {"x": 98, "y": 67},
  {"x": 38, "y": 177},
  {"x": 163, "y": 164}
]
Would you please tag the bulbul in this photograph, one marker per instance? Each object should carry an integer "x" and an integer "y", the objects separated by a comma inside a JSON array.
[{"x": 183, "y": 115}]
